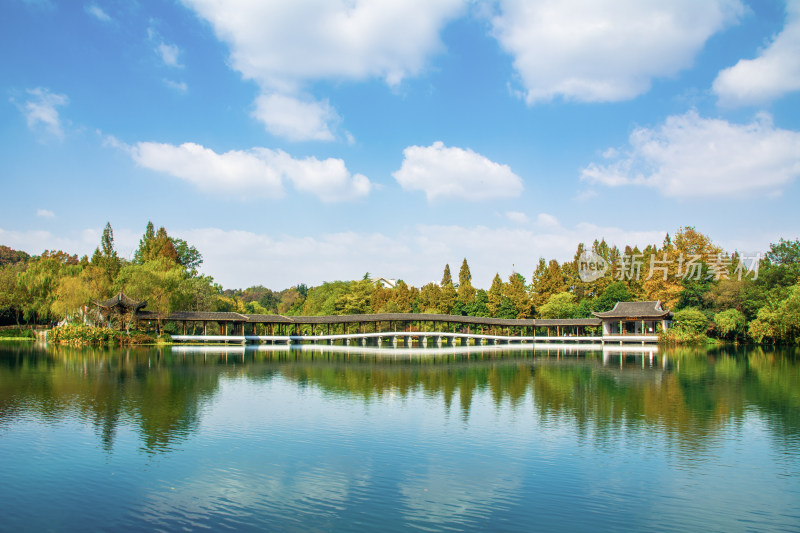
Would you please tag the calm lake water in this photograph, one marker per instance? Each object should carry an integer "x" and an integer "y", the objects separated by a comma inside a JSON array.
[{"x": 304, "y": 440}]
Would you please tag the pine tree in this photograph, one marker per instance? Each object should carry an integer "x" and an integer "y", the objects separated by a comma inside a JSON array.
[
  {"x": 516, "y": 294},
  {"x": 155, "y": 244},
  {"x": 143, "y": 252},
  {"x": 547, "y": 280},
  {"x": 446, "y": 277},
  {"x": 495, "y": 295},
  {"x": 105, "y": 257},
  {"x": 107, "y": 242},
  {"x": 447, "y": 299},
  {"x": 466, "y": 292}
]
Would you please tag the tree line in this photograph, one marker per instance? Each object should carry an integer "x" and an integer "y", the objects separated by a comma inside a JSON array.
[{"x": 712, "y": 293}]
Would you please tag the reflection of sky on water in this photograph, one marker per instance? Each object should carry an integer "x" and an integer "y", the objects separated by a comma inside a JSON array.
[{"x": 457, "y": 494}]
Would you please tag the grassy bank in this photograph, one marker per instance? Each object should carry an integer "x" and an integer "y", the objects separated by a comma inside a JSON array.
[{"x": 17, "y": 334}]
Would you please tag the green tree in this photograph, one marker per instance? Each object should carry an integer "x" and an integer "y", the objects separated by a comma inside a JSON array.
[
  {"x": 495, "y": 296},
  {"x": 12, "y": 293},
  {"x": 404, "y": 297},
  {"x": 143, "y": 253},
  {"x": 429, "y": 299},
  {"x": 161, "y": 282},
  {"x": 694, "y": 290},
  {"x": 765, "y": 326},
  {"x": 188, "y": 256},
  {"x": 447, "y": 299},
  {"x": 561, "y": 305},
  {"x": 615, "y": 292},
  {"x": 155, "y": 244},
  {"x": 37, "y": 284},
  {"x": 692, "y": 323},
  {"x": 731, "y": 324},
  {"x": 466, "y": 292},
  {"x": 517, "y": 295},
  {"x": 9, "y": 256},
  {"x": 382, "y": 300},
  {"x": 105, "y": 257},
  {"x": 548, "y": 279},
  {"x": 323, "y": 300},
  {"x": 356, "y": 301},
  {"x": 480, "y": 307},
  {"x": 71, "y": 296},
  {"x": 446, "y": 277},
  {"x": 789, "y": 313}
]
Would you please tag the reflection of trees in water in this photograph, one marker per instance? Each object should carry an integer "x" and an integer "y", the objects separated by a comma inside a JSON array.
[
  {"x": 160, "y": 391},
  {"x": 106, "y": 387},
  {"x": 699, "y": 394},
  {"x": 505, "y": 379}
]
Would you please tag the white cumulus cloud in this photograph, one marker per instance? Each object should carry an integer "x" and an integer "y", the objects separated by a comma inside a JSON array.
[
  {"x": 45, "y": 213},
  {"x": 604, "y": 50},
  {"x": 258, "y": 171},
  {"x": 775, "y": 72},
  {"x": 41, "y": 111},
  {"x": 284, "y": 46},
  {"x": 443, "y": 172},
  {"x": 692, "y": 156},
  {"x": 296, "y": 120}
]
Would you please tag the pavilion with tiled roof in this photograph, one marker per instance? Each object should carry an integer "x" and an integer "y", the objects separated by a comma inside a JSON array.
[
  {"x": 635, "y": 318},
  {"x": 122, "y": 307}
]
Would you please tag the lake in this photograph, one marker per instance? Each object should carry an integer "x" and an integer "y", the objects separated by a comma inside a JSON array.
[{"x": 327, "y": 439}]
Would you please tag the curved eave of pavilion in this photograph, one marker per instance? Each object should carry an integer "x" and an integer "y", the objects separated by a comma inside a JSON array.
[{"x": 122, "y": 300}]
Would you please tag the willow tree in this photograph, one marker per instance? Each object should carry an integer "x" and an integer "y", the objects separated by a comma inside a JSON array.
[
  {"x": 162, "y": 283},
  {"x": 71, "y": 296}
]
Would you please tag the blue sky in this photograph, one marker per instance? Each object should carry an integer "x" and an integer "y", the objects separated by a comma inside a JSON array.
[{"x": 299, "y": 142}]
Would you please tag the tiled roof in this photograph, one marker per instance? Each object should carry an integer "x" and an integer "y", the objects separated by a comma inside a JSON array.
[
  {"x": 370, "y": 318},
  {"x": 200, "y": 316},
  {"x": 269, "y": 319},
  {"x": 635, "y": 310},
  {"x": 122, "y": 300}
]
